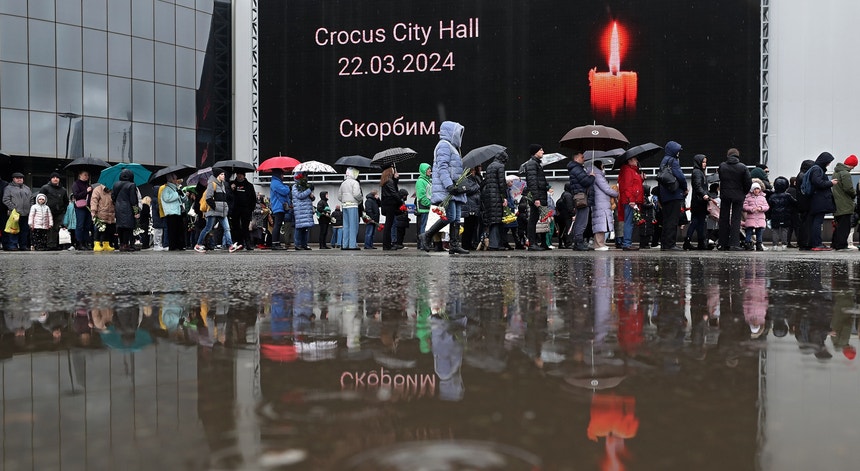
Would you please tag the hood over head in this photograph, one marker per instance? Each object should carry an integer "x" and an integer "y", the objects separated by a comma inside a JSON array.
[
  {"x": 502, "y": 157},
  {"x": 42, "y": 197},
  {"x": 126, "y": 175},
  {"x": 780, "y": 185},
  {"x": 806, "y": 165},
  {"x": 673, "y": 148},
  {"x": 698, "y": 159},
  {"x": 351, "y": 172},
  {"x": 422, "y": 169},
  {"x": 824, "y": 159},
  {"x": 452, "y": 132}
]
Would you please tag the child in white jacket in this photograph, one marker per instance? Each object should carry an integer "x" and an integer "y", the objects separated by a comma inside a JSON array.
[{"x": 40, "y": 222}]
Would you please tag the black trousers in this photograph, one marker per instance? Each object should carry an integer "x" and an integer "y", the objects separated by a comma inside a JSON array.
[
  {"x": 671, "y": 216},
  {"x": 840, "y": 234},
  {"x": 324, "y": 223},
  {"x": 239, "y": 222},
  {"x": 175, "y": 232},
  {"x": 731, "y": 211}
]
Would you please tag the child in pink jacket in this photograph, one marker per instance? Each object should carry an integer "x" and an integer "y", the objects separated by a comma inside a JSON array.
[{"x": 755, "y": 205}]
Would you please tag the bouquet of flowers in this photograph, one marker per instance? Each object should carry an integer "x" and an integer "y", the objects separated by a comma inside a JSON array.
[
  {"x": 637, "y": 216},
  {"x": 366, "y": 219},
  {"x": 440, "y": 209},
  {"x": 100, "y": 225},
  {"x": 546, "y": 214},
  {"x": 508, "y": 216}
]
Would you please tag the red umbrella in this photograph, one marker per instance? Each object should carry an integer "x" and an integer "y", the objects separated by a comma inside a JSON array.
[{"x": 280, "y": 162}]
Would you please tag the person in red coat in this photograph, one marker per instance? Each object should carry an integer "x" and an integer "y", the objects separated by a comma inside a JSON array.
[{"x": 630, "y": 199}]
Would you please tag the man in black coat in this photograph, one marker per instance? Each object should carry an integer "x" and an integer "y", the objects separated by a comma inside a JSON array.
[
  {"x": 244, "y": 203},
  {"x": 580, "y": 183},
  {"x": 536, "y": 188},
  {"x": 735, "y": 183}
]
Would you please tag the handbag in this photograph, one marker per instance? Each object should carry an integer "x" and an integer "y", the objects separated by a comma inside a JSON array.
[
  {"x": 542, "y": 227},
  {"x": 580, "y": 200},
  {"x": 65, "y": 237},
  {"x": 667, "y": 179},
  {"x": 81, "y": 203}
]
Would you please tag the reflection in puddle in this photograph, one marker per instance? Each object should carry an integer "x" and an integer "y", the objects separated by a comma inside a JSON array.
[{"x": 568, "y": 363}]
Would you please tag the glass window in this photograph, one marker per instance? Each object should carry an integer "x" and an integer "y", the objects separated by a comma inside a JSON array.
[
  {"x": 43, "y": 89},
  {"x": 95, "y": 51},
  {"x": 43, "y": 134},
  {"x": 165, "y": 145},
  {"x": 143, "y": 143},
  {"x": 42, "y": 42},
  {"x": 185, "y": 3},
  {"x": 142, "y": 67},
  {"x": 119, "y": 16},
  {"x": 206, "y": 6},
  {"x": 198, "y": 73},
  {"x": 69, "y": 12},
  {"x": 41, "y": 9},
  {"x": 70, "y": 135},
  {"x": 119, "y": 55},
  {"x": 165, "y": 104},
  {"x": 143, "y": 101},
  {"x": 95, "y": 138},
  {"x": 69, "y": 52},
  {"x": 12, "y": 29},
  {"x": 70, "y": 98},
  {"x": 186, "y": 108},
  {"x": 13, "y": 7},
  {"x": 13, "y": 85},
  {"x": 185, "y": 68},
  {"x": 204, "y": 23},
  {"x": 13, "y": 131},
  {"x": 119, "y": 98},
  {"x": 95, "y": 95},
  {"x": 95, "y": 14},
  {"x": 186, "y": 147},
  {"x": 184, "y": 27},
  {"x": 165, "y": 63},
  {"x": 141, "y": 19},
  {"x": 165, "y": 22},
  {"x": 119, "y": 140}
]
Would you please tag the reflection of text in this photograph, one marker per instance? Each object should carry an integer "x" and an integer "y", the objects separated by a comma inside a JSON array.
[
  {"x": 414, "y": 385},
  {"x": 398, "y": 127}
]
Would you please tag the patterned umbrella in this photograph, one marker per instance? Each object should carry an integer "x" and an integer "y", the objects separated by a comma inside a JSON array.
[
  {"x": 393, "y": 155},
  {"x": 313, "y": 166}
]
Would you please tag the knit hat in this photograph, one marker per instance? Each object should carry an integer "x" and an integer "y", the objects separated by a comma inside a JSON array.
[
  {"x": 217, "y": 171},
  {"x": 534, "y": 148},
  {"x": 851, "y": 161},
  {"x": 755, "y": 186},
  {"x": 55, "y": 174}
]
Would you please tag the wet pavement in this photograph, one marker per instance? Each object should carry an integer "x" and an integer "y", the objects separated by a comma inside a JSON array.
[{"x": 327, "y": 360}]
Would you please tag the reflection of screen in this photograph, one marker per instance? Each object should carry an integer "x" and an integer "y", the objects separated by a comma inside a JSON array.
[{"x": 347, "y": 77}]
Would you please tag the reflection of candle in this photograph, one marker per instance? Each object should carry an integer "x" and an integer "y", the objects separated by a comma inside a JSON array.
[{"x": 613, "y": 91}]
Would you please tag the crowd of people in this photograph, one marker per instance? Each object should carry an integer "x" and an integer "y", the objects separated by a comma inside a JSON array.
[{"x": 456, "y": 209}]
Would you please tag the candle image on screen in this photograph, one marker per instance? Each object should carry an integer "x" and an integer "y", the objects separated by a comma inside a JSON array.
[{"x": 615, "y": 91}]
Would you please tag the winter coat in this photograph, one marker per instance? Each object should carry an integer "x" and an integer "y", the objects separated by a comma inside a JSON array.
[
  {"x": 349, "y": 193},
  {"x": 371, "y": 208},
  {"x": 337, "y": 218},
  {"x": 171, "y": 200},
  {"x": 280, "y": 196},
  {"x": 629, "y": 188},
  {"x": 40, "y": 214},
  {"x": 735, "y": 179},
  {"x": 323, "y": 210},
  {"x": 802, "y": 200},
  {"x": 699, "y": 184},
  {"x": 244, "y": 196},
  {"x": 580, "y": 181},
  {"x": 494, "y": 192},
  {"x": 303, "y": 206},
  {"x": 124, "y": 196},
  {"x": 782, "y": 205},
  {"x": 101, "y": 204},
  {"x": 216, "y": 194},
  {"x": 843, "y": 192},
  {"x": 390, "y": 194},
  {"x": 70, "y": 219},
  {"x": 473, "y": 195},
  {"x": 536, "y": 184},
  {"x": 565, "y": 207},
  {"x": 17, "y": 197},
  {"x": 821, "y": 200},
  {"x": 58, "y": 199},
  {"x": 79, "y": 190},
  {"x": 447, "y": 165},
  {"x": 422, "y": 189},
  {"x": 671, "y": 160},
  {"x": 755, "y": 207},
  {"x": 601, "y": 211}
]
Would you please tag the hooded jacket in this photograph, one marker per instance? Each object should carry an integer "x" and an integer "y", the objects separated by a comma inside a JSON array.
[
  {"x": 821, "y": 199},
  {"x": 281, "y": 196},
  {"x": 101, "y": 204},
  {"x": 671, "y": 160},
  {"x": 124, "y": 196},
  {"x": 349, "y": 193},
  {"x": 629, "y": 188},
  {"x": 40, "y": 216},
  {"x": 802, "y": 200},
  {"x": 735, "y": 179},
  {"x": 698, "y": 205},
  {"x": 843, "y": 192},
  {"x": 755, "y": 207},
  {"x": 782, "y": 204},
  {"x": 494, "y": 191},
  {"x": 447, "y": 164},
  {"x": 303, "y": 205},
  {"x": 422, "y": 189}
]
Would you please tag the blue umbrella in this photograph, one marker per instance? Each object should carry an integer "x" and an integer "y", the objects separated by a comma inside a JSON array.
[
  {"x": 110, "y": 175},
  {"x": 130, "y": 343}
]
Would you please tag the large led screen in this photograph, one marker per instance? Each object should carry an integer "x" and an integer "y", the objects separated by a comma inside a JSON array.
[{"x": 356, "y": 77}]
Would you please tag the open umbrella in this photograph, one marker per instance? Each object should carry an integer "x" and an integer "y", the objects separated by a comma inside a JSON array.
[
  {"x": 135, "y": 342},
  {"x": 517, "y": 185},
  {"x": 393, "y": 155},
  {"x": 110, "y": 175},
  {"x": 356, "y": 161},
  {"x": 233, "y": 166},
  {"x": 593, "y": 137},
  {"x": 481, "y": 155},
  {"x": 641, "y": 152},
  {"x": 90, "y": 164},
  {"x": 280, "y": 162},
  {"x": 549, "y": 159},
  {"x": 313, "y": 166},
  {"x": 200, "y": 177},
  {"x": 181, "y": 171}
]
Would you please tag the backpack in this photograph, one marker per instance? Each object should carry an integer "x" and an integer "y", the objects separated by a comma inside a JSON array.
[
  {"x": 806, "y": 184},
  {"x": 204, "y": 205},
  {"x": 667, "y": 179}
]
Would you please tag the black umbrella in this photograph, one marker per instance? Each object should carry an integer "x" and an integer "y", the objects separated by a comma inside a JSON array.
[
  {"x": 594, "y": 137},
  {"x": 641, "y": 152},
  {"x": 481, "y": 155},
  {"x": 90, "y": 164},
  {"x": 233, "y": 166},
  {"x": 356, "y": 161},
  {"x": 392, "y": 156},
  {"x": 181, "y": 171}
]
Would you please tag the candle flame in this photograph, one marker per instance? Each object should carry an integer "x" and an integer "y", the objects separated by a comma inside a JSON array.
[{"x": 614, "y": 54}]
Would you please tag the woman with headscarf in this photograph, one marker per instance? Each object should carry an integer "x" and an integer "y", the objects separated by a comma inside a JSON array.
[
  {"x": 350, "y": 197},
  {"x": 125, "y": 200}
]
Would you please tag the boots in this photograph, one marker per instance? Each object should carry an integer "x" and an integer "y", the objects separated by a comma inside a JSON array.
[
  {"x": 437, "y": 247},
  {"x": 106, "y": 247},
  {"x": 97, "y": 247},
  {"x": 427, "y": 236},
  {"x": 759, "y": 247},
  {"x": 456, "y": 248},
  {"x": 688, "y": 245}
]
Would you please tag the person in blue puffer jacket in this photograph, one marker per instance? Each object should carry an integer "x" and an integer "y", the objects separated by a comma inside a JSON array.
[
  {"x": 281, "y": 204},
  {"x": 303, "y": 210},
  {"x": 447, "y": 170}
]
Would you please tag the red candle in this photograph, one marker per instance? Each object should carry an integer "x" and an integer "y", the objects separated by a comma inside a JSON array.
[{"x": 614, "y": 91}]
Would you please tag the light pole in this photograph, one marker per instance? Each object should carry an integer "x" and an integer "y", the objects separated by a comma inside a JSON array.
[{"x": 71, "y": 116}]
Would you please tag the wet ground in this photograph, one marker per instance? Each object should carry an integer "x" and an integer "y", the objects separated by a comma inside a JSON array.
[{"x": 328, "y": 360}]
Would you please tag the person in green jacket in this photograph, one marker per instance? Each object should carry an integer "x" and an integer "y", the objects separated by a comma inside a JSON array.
[
  {"x": 422, "y": 198},
  {"x": 843, "y": 196}
]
